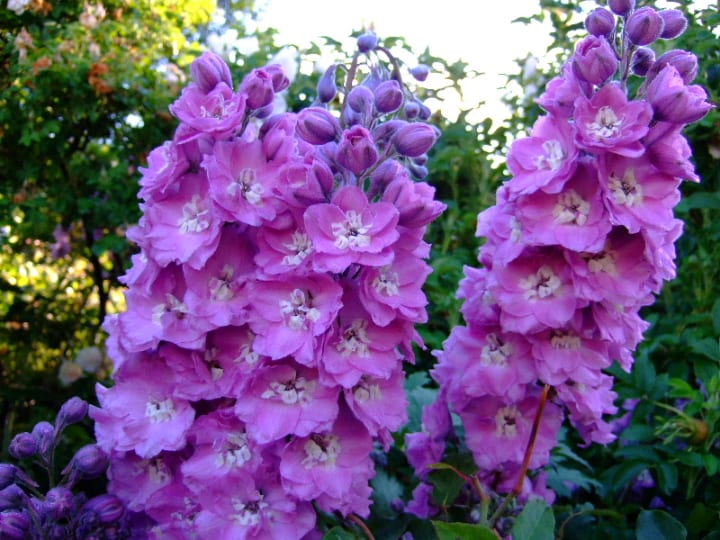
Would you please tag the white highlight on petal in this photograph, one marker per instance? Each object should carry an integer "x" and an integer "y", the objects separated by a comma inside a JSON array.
[
  {"x": 571, "y": 208},
  {"x": 195, "y": 216},
  {"x": 351, "y": 233},
  {"x": 542, "y": 284},
  {"x": 321, "y": 450}
]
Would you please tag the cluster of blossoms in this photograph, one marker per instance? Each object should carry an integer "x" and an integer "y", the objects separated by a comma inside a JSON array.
[
  {"x": 59, "y": 513},
  {"x": 580, "y": 238},
  {"x": 272, "y": 303}
]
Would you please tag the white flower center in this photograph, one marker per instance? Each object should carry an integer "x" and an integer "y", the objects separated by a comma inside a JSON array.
[
  {"x": 298, "y": 311},
  {"x": 605, "y": 261},
  {"x": 542, "y": 284},
  {"x": 218, "y": 110},
  {"x": 495, "y": 352},
  {"x": 565, "y": 340},
  {"x": 553, "y": 157},
  {"x": 606, "y": 123},
  {"x": 571, "y": 208},
  {"x": 387, "y": 282},
  {"x": 195, "y": 216},
  {"x": 515, "y": 229},
  {"x": 159, "y": 411},
  {"x": 351, "y": 233},
  {"x": 171, "y": 305},
  {"x": 233, "y": 451},
  {"x": 355, "y": 340},
  {"x": 157, "y": 471},
  {"x": 365, "y": 391},
  {"x": 506, "y": 422},
  {"x": 248, "y": 514},
  {"x": 220, "y": 285},
  {"x": 626, "y": 190},
  {"x": 300, "y": 248},
  {"x": 246, "y": 186},
  {"x": 321, "y": 450},
  {"x": 294, "y": 391}
]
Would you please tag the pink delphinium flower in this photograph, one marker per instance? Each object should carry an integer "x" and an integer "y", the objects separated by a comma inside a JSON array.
[
  {"x": 608, "y": 122},
  {"x": 350, "y": 230}
]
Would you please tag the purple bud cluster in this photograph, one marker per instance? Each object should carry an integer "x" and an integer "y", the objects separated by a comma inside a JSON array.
[
  {"x": 62, "y": 512},
  {"x": 271, "y": 306},
  {"x": 580, "y": 238}
]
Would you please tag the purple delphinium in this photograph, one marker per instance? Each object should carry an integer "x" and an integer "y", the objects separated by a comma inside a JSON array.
[
  {"x": 271, "y": 306},
  {"x": 581, "y": 237}
]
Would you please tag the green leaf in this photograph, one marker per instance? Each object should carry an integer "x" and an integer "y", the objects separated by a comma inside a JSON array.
[
  {"x": 711, "y": 464},
  {"x": 680, "y": 388},
  {"x": 707, "y": 347},
  {"x": 462, "y": 531},
  {"x": 667, "y": 476},
  {"x": 535, "y": 522},
  {"x": 658, "y": 525},
  {"x": 386, "y": 489},
  {"x": 338, "y": 533}
]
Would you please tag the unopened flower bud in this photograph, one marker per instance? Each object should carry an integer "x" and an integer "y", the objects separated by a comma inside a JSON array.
[
  {"x": 384, "y": 132},
  {"x": 90, "y": 460},
  {"x": 644, "y": 26},
  {"x": 420, "y": 72},
  {"x": 317, "y": 126},
  {"x": 7, "y": 474},
  {"x": 414, "y": 139},
  {"x": 621, "y": 7},
  {"x": 684, "y": 62},
  {"x": 381, "y": 177},
  {"x": 71, "y": 412},
  {"x": 388, "y": 96},
  {"x": 278, "y": 77},
  {"x": 258, "y": 87},
  {"x": 600, "y": 22},
  {"x": 418, "y": 171},
  {"x": 415, "y": 201},
  {"x": 14, "y": 525},
  {"x": 108, "y": 508},
  {"x": 675, "y": 23},
  {"x": 12, "y": 497},
  {"x": 411, "y": 109},
  {"x": 367, "y": 42},
  {"x": 424, "y": 113},
  {"x": 356, "y": 150},
  {"x": 361, "y": 99},
  {"x": 44, "y": 433},
  {"x": 208, "y": 70},
  {"x": 327, "y": 87},
  {"x": 594, "y": 60},
  {"x": 674, "y": 101},
  {"x": 642, "y": 60},
  {"x": 23, "y": 446},
  {"x": 59, "y": 503}
]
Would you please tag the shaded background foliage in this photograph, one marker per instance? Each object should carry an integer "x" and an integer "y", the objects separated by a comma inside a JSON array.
[{"x": 81, "y": 105}]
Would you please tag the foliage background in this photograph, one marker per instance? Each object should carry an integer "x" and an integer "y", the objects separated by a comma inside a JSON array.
[{"x": 82, "y": 106}]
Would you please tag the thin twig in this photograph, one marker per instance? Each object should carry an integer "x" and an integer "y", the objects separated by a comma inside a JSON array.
[{"x": 360, "y": 523}]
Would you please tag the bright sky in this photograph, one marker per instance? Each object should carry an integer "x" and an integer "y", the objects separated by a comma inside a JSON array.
[{"x": 481, "y": 35}]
